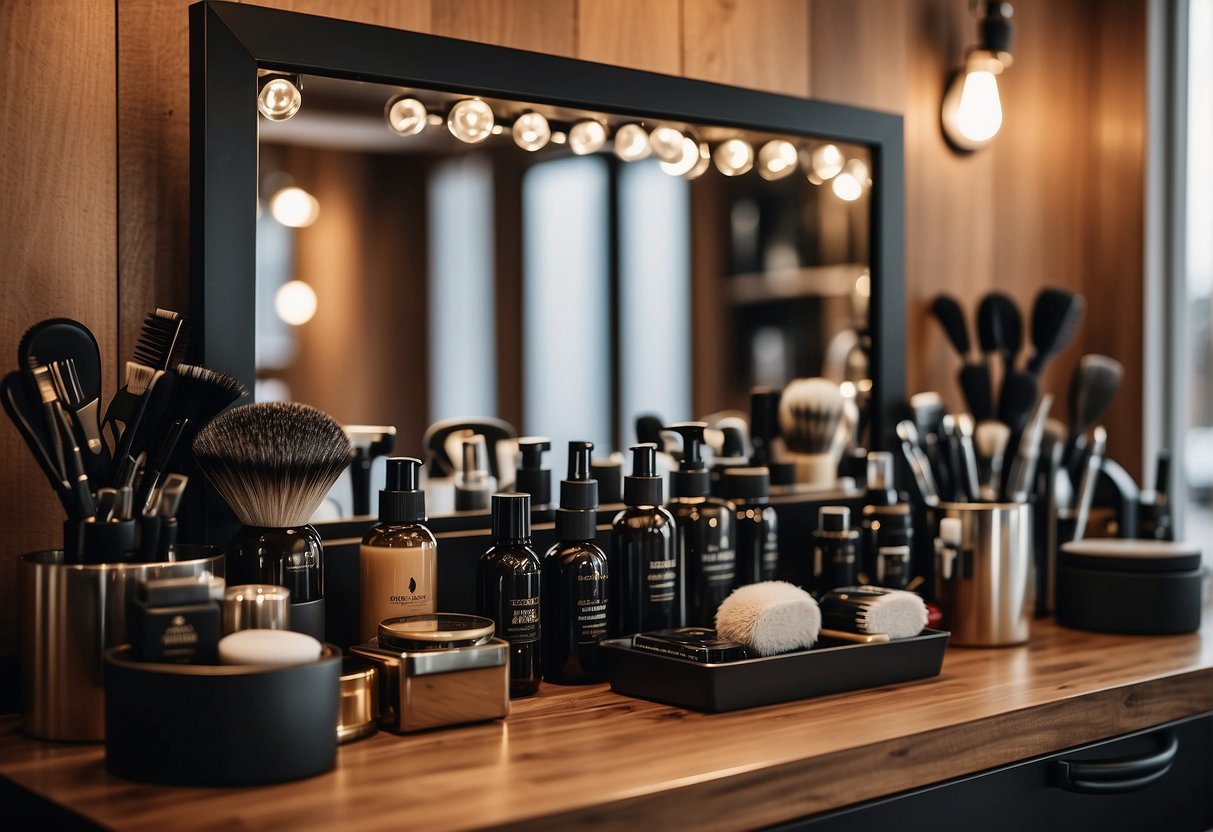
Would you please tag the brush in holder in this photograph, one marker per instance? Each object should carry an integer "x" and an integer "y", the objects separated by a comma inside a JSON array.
[
  {"x": 988, "y": 589},
  {"x": 70, "y": 614}
]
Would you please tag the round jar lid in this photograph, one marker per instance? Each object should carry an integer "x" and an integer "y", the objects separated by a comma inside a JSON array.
[
  {"x": 1131, "y": 555},
  {"x": 430, "y": 632}
]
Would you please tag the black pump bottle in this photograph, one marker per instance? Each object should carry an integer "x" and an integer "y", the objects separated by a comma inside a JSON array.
[
  {"x": 574, "y": 600},
  {"x": 507, "y": 589},
  {"x": 757, "y": 536},
  {"x": 531, "y": 477},
  {"x": 644, "y": 583},
  {"x": 703, "y": 532}
]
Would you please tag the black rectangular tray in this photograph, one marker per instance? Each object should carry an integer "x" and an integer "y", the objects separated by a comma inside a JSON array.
[{"x": 829, "y": 667}]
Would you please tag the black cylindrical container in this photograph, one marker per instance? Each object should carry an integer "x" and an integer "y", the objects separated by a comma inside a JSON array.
[
  {"x": 835, "y": 550},
  {"x": 574, "y": 599},
  {"x": 507, "y": 589},
  {"x": 293, "y": 558},
  {"x": 888, "y": 527},
  {"x": 703, "y": 534},
  {"x": 644, "y": 582},
  {"x": 609, "y": 473},
  {"x": 755, "y": 525}
]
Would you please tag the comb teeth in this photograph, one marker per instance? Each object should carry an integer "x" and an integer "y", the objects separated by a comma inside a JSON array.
[
  {"x": 161, "y": 340},
  {"x": 138, "y": 377},
  {"x": 46, "y": 384}
]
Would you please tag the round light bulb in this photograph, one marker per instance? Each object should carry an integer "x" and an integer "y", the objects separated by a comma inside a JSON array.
[
  {"x": 632, "y": 143},
  {"x": 531, "y": 131},
  {"x": 847, "y": 187},
  {"x": 827, "y": 161},
  {"x": 667, "y": 144},
  {"x": 776, "y": 159},
  {"x": 407, "y": 116},
  {"x": 702, "y": 163},
  {"x": 294, "y": 207},
  {"x": 587, "y": 136},
  {"x": 687, "y": 160},
  {"x": 734, "y": 157},
  {"x": 470, "y": 120},
  {"x": 859, "y": 169},
  {"x": 295, "y": 302},
  {"x": 979, "y": 111},
  {"x": 279, "y": 99}
]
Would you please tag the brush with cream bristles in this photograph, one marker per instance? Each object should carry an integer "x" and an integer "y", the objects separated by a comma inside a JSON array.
[
  {"x": 810, "y": 412},
  {"x": 274, "y": 463}
]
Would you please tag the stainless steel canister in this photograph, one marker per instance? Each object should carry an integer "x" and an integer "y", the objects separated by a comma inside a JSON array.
[
  {"x": 256, "y": 607},
  {"x": 990, "y": 594},
  {"x": 70, "y": 614}
]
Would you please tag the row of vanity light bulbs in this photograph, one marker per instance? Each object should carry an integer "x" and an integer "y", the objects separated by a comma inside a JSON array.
[{"x": 472, "y": 121}]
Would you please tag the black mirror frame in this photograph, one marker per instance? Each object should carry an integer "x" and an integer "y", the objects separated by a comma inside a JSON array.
[{"x": 229, "y": 42}]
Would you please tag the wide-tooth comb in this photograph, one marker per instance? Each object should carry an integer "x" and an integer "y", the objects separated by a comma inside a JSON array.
[{"x": 161, "y": 341}]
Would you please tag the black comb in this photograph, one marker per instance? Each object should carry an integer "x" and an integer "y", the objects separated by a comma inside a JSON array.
[{"x": 162, "y": 340}]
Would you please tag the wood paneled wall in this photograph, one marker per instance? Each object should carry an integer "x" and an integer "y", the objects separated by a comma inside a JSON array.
[{"x": 94, "y": 157}]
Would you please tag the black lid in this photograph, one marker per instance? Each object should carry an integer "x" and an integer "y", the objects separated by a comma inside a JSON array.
[
  {"x": 576, "y": 517},
  {"x": 747, "y": 483},
  {"x": 609, "y": 473},
  {"x": 782, "y": 473},
  {"x": 531, "y": 477},
  {"x": 648, "y": 429},
  {"x": 692, "y": 479},
  {"x": 834, "y": 519},
  {"x": 643, "y": 487},
  {"x": 764, "y": 422},
  {"x": 511, "y": 517},
  {"x": 402, "y": 501},
  {"x": 1118, "y": 555}
]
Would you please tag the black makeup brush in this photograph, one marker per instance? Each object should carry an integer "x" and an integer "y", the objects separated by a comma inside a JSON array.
[
  {"x": 1056, "y": 316},
  {"x": 999, "y": 331},
  {"x": 274, "y": 463},
  {"x": 810, "y": 412},
  {"x": 198, "y": 394},
  {"x": 927, "y": 412},
  {"x": 974, "y": 377},
  {"x": 1095, "y": 381},
  {"x": 24, "y": 406}
]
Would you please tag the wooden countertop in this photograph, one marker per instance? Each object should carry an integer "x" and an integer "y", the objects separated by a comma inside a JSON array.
[{"x": 588, "y": 758}]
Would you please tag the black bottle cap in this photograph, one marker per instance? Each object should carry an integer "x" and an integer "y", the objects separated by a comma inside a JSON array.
[
  {"x": 764, "y": 422},
  {"x": 531, "y": 477},
  {"x": 648, "y": 430},
  {"x": 880, "y": 479},
  {"x": 782, "y": 473},
  {"x": 575, "y": 519},
  {"x": 609, "y": 473},
  {"x": 834, "y": 519},
  {"x": 402, "y": 501},
  {"x": 643, "y": 487},
  {"x": 692, "y": 478},
  {"x": 747, "y": 483},
  {"x": 511, "y": 518}
]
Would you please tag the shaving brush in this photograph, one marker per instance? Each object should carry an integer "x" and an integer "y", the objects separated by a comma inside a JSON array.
[
  {"x": 810, "y": 412},
  {"x": 274, "y": 463}
]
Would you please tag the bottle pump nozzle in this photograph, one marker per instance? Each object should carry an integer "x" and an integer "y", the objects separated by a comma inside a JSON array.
[
  {"x": 531, "y": 477},
  {"x": 692, "y": 478},
  {"x": 577, "y": 516},
  {"x": 643, "y": 487},
  {"x": 402, "y": 500}
]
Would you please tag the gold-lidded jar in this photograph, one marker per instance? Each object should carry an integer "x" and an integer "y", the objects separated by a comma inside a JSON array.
[{"x": 435, "y": 632}]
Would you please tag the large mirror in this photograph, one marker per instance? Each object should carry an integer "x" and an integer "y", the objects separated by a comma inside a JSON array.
[{"x": 429, "y": 245}]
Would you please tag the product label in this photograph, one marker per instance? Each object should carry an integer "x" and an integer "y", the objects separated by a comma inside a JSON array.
[
  {"x": 518, "y": 609},
  {"x": 396, "y": 582},
  {"x": 662, "y": 580},
  {"x": 591, "y": 619},
  {"x": 893, "y": 566}
]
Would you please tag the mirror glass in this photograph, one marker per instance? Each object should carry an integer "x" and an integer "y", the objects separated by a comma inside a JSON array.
[{"x": 556, "y": 272}]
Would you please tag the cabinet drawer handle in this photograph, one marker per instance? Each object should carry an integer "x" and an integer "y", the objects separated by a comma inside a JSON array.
[{"x": 1117, "y": 776}]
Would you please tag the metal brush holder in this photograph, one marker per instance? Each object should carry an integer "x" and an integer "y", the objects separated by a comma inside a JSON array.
[{"x": 70, "y": 615}]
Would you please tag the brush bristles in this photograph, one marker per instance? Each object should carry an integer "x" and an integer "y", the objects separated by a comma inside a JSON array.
[
  {"x": 273, "y": 462},
  {"x": 160, "y": 339},
  {"x": 810, "y": 411}
]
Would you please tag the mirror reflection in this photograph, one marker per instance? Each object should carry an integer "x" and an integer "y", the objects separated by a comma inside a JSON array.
[{"x": 423, "y": 256}]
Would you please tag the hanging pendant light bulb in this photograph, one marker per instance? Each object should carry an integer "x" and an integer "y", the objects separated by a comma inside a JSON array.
[
  {"x": 471, "y": 121},
  {"x": 587, "y": 136},
  {"x": 279, "y": 96},
  {"x": 972, "y": 107},
  {"x": 406, "y": 116},
  {"x": 734, "y": 157},
  {"x": 632, "y": 143},
  {"x": 531, "y": 131}
]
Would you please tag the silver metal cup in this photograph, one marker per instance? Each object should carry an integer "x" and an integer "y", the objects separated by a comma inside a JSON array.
[
  {"x": 256, "y": 607},
  {"x": 990, "y": 596},
  {"x": 70, "y": 615}
]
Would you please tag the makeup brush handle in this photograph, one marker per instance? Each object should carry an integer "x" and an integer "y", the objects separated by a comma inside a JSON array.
[{"x": 920, "y": 467}]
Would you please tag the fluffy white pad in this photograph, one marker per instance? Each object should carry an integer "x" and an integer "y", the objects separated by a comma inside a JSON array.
[
  {"x": 769, "y": 617},
  {"x": 268, "y": 647},
  {"x": 899, "y": 614}
]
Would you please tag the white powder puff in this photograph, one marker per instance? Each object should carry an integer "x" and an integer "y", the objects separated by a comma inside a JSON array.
[
  {"x": 900, "y": 614},
  {"x": 769, "y": 617}
]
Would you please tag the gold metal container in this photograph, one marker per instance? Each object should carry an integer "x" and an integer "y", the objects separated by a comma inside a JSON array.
[
  {"x": 437, "y": 670},
  {"x": 359, "y": 700}
]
